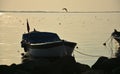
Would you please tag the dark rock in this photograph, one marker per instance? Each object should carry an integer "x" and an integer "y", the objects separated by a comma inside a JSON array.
[
  {"x": 82, "y": 68},
  {"x": 116, "y": 70},
  {"x": 64, "y": 65},
  {"x": 107, "y": 65},
  {"x": 99, "y": 63},
  {"x": 4, "y": 69},
  {"x": 94, "y": 72}
]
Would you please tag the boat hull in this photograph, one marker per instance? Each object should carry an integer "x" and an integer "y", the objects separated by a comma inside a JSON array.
[{"x": 52, "y": 49}]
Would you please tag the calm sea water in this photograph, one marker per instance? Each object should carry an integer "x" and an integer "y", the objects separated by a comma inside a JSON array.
[{"x": 88, "y": 30}]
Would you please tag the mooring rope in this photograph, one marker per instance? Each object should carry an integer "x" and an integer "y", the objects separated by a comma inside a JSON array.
[
  {"x": 87, "y": 54},
  {"x": 110, "y": 48},
  {"x": 107, "y": 40},
  {"x": 110, "y": 44}
]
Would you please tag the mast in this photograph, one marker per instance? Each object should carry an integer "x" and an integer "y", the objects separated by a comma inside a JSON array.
[{"x": 28, "y": 27}]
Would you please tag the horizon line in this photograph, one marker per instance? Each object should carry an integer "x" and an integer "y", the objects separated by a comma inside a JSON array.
[{"x": 3, "y": 11}]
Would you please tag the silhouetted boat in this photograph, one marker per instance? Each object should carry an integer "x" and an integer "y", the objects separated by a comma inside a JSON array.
[
  {"x": 116, "y": 36},
  {"x": 45, "y": 44}
]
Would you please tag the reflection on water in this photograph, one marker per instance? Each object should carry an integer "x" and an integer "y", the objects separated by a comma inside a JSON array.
[{"x": 89, "y": 30}]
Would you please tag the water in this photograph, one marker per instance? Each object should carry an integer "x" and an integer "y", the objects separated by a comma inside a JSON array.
[{"x": 88, "y": 30}]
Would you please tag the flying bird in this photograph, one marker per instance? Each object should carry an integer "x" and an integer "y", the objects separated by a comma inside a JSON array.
[{"x": 65, "y": 9}]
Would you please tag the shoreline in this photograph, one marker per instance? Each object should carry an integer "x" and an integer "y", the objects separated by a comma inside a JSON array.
[{"x": 64, "y": 65}]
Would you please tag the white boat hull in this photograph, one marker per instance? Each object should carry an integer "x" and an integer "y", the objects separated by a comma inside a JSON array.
[
  {"x": 53, "y": 49},
  {"x": 50, "y": 52}
]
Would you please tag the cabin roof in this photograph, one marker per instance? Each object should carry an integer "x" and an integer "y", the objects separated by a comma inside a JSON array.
[{"x": 40, "y": 37}]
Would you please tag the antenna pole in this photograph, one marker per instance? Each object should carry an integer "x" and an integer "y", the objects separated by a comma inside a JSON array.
[{"x": 28, "y": 27}]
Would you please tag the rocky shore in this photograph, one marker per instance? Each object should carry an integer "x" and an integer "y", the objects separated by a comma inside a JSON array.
[{"x": 65, "y": 65}]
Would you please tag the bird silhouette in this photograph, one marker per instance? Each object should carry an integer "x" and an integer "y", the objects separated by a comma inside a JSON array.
[{"x": 65, "y": 9}]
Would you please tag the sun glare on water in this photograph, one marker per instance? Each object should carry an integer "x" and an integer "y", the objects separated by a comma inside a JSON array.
[{"x": 1, "y": 13}]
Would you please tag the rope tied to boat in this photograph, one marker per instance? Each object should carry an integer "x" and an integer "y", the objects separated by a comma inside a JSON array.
[
  {"x": 110, "y": 44},
  {"x": 85, "y": 54}
]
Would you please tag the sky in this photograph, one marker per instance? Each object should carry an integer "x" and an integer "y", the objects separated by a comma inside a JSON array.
[{"x": 57, "y": 5}]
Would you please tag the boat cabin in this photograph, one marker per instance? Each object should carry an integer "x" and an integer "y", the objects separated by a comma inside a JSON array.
[{"x": 38, "y": 37}]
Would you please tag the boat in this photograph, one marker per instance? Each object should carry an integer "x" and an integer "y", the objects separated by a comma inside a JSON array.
[
  {"x": 116, "y": 36},
  {"x": 38, "y": 44}
]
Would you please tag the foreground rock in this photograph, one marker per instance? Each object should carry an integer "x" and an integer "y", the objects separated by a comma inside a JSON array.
[
  {"x": 65, "y": 65},
  {"x": 109, "y": 66}
]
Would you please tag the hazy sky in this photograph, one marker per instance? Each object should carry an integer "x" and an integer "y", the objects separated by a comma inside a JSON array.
[{"x": 57, "y": 5}]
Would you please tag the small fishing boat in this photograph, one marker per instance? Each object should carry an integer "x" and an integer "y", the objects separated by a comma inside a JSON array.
[
  {"x": 116, "y": 36},
  {"x": 45, "y": 44}
]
